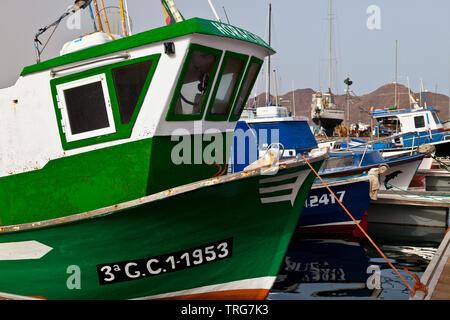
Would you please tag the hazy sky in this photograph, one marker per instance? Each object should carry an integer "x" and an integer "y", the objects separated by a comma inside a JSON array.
[{"x": 299, "y": 35}]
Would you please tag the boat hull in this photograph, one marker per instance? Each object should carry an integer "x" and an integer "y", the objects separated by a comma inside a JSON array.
[
  {"x": 323, "y": 214},
  {"x": 142, "y": 251},
  {"x": 399, "y": 174}
]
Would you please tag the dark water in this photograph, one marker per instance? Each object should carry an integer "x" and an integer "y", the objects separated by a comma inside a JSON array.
[{"x": 344, "y": 267}]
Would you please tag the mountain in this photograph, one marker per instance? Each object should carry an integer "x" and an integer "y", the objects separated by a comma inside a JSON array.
[{"x": 361, "y": 105}]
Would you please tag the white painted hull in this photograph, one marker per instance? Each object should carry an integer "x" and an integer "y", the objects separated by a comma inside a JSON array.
[{"x": 401, "y": 175}]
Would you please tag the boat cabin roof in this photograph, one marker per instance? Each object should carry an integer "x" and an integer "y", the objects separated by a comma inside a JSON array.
[
  {"x": 194, "y": 25},
  {"x": 391, "y": 112}
]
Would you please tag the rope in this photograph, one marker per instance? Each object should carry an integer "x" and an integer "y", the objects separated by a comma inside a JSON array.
[
  {"x": 418, "y": 283},
  {"x": 441, "y": 163}
]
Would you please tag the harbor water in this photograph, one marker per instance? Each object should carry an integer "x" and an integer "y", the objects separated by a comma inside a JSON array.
[{"x": 323, "y": 267}]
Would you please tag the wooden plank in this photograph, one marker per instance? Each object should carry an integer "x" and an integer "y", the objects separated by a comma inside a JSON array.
[
  {"x": 437, "y": 274},
  {"x": 442, "y": 291}
]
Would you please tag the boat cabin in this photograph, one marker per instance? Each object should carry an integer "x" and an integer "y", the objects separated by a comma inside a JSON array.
[
  {"x": 126, "y": 118},
  {"x": 423, "y": 123}
]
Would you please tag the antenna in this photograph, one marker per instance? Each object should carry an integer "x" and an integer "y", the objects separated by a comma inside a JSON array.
[
  {"x": 78, "y": 5},
  {"x": 226, "y": 16},
  {"x": 214, "y": 10}
]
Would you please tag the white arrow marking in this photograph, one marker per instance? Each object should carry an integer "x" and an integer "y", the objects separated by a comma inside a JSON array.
[{"x": 24, "y": 250}]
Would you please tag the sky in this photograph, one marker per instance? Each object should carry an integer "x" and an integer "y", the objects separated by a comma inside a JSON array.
[{"x": 364, "y": 35}]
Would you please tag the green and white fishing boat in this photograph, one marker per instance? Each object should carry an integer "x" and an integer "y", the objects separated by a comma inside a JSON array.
[{"x": 100, "y": 197}]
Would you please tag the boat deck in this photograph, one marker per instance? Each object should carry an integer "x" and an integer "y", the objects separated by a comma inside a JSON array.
[{"x": 437, "y": 275}]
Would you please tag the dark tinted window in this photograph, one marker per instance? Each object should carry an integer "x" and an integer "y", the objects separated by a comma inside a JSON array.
[
  {"x": 247, "y": 86},
  {"x": 419, "y": 122},
  {"x": 86, "y": 108},
  {"x": 129, "y": 82}
]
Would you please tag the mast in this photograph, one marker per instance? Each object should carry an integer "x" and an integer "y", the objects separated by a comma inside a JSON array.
[
  {"x": 275, "y": 87},
  {"x": 122, "y": 17},
  {"x": 268, "y": 58},
  {"x": 330, "y": 79},
  {"x": 97, "y": 13},
  {"x": 105, "y": 16},
  {"x": 293, "y": 97},
  {"x": 396, "y": 74}
]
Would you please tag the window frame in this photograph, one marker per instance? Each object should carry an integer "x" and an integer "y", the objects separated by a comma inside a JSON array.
[
  {"x": 122, "y": 131},
  {"x": 415, "y": 122},
  {"x": 258, "y": 61},
  {"x": 435, "y": 117},
  {"x": 171, "y": 116},
  {"x": 228, "y": 54},
  {"x": 65, "y": 119}
]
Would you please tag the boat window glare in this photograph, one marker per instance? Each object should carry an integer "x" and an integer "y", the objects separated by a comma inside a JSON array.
[
  {"x": 436, "y": 118},
  {"x": 198, "y": 78},
  {"x": 249, "y": 82},
  {"x": 233, "y": 68}
]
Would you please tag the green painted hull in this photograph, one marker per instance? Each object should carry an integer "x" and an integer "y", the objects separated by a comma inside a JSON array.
[
  {"x": 96, "y": 179},
  {"x": 260, "y": 234}
]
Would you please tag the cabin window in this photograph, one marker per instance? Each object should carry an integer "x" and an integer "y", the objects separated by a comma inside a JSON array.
[
  {"x": 129, "y": 82},
  {"x": 195, "y": 83},
  {"x": 86, "y": 108},
  {"x": 229, "y": 79},
  {"x": 419, "y": 122},
  {"x": 436, "y": 118},
  {"x": 250, "y": 79}
]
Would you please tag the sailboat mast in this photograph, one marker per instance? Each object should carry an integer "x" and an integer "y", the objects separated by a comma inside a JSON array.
[
  {"x": 330, "y": 64},
  {"x": 396, "y": 74},
  {"x": 268, "y": 58}
]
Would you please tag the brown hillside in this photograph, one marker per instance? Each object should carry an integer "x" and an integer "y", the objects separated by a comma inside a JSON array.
[{"x": 359, "y": 106}]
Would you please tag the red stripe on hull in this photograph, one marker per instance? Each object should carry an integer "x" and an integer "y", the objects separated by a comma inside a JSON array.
[{"x": 243, "y": 294}]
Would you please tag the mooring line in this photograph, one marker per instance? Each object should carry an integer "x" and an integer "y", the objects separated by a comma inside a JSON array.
[{"x": 418, "y": 286}]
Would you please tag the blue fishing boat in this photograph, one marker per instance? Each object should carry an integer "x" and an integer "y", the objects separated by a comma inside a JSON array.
[
  {"x": 409, "y": 128},
  {"x": 322, "y": 213},
  {"x": 258, "y": 132}
]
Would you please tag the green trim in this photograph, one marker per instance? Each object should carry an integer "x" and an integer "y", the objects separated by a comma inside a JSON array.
[
  {"x": 195, "y": 25},
  {"x": 209, "y": 115},
  {"x": 171, "y": 116},
  {"x": 252, "y": 60},
  {"x": 123, "y": 131}
]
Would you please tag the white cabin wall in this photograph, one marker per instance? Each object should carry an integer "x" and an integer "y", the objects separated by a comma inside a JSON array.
[
  {"x": 28, "y": 130},
  {"x": 29, "y": 134}
]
